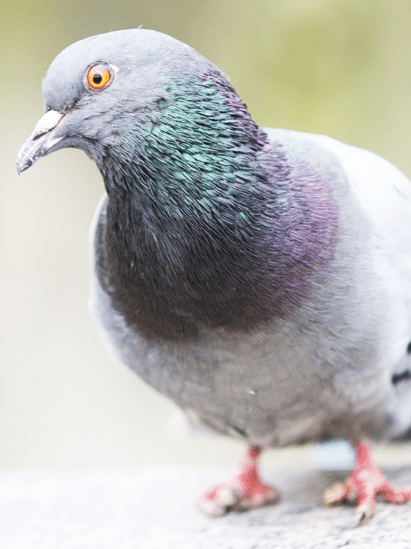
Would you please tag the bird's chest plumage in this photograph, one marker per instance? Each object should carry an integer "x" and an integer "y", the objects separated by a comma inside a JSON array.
[
  {"x": 278, "y": 382},
  {"x": 249, "y": 383},
  {"x": 207, "y": 225},
  {"x": 234, "y": 269},
  {"x": 260, "y": 353}
]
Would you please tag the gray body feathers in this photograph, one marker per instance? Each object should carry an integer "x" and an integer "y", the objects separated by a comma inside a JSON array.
[{"x": 324, "y": 370}]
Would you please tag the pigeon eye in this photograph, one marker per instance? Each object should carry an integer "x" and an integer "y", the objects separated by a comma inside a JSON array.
[{"x": 98, "y": 77}]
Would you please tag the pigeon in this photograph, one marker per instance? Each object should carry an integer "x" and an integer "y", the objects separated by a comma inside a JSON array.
[{"x": 259, "y": 278}]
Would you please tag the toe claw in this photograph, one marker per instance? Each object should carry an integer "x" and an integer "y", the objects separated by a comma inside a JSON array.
[
  {"x": 211, "y": 506},
  {"x": 265, "y": 495},
  {"x": 363, "y": 513},
  {"x": 357, "y": 520},
  {"x": 228, "y": 497},
  {"x": 335, "y": 494}
]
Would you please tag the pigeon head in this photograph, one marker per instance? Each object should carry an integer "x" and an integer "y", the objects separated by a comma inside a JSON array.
[
  {"x": 120, "y": 95},
  {"x": 104, "y": 93}
]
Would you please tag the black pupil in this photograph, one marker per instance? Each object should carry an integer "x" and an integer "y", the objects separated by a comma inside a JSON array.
[{"x": 97, "y": 78}]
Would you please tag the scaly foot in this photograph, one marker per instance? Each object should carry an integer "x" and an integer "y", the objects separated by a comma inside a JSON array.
[
  {"x": 243, "y": 491},
  {"x": 364, "y": 484}
]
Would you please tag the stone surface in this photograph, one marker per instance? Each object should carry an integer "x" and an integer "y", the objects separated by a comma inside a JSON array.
[{"x": 152, "y": 508}]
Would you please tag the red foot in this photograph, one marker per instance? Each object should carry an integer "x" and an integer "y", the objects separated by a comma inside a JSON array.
[
  {"x": 243, "y": 491},
  {"x": 364, "y": 484}
]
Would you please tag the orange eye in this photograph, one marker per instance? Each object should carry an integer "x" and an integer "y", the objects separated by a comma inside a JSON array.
[{"x": 98, "y": 77}]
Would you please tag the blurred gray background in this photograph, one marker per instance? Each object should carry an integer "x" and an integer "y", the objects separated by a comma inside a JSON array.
[{"x": 337, "y": 67}]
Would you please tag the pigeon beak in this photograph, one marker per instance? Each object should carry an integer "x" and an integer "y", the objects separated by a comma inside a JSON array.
[{"x": 40, "y": 141}]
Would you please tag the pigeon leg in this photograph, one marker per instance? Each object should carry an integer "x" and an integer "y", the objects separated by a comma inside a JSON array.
[
  {"x": 364, "y": 484},
  {"x": 243, "y": 491}
]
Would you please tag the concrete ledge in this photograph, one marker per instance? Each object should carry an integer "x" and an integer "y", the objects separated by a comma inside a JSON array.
[{"x": 152, "y": 508}]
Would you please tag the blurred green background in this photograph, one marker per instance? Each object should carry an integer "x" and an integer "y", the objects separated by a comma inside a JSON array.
[{"x": 337, "y": 67}]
